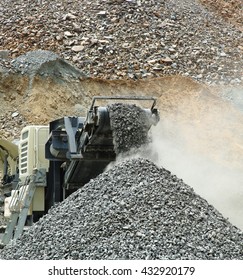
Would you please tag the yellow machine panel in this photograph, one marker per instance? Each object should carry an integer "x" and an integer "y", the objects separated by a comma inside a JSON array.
[{"x": 32, "y": 150}]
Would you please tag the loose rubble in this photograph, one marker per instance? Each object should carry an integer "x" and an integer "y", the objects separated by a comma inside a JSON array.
[
  {"x": 133, "y": 211},
  {"x": 32, "y": 61},
  {"x": 11, "y": 124},
  {"x": 44, "y": 63},
  {"x": 130, "y": 125},
  {"x": 230, "y": 10},
  {"x": 126, "y": 39}
]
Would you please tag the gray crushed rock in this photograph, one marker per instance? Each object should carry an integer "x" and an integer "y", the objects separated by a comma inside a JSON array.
[
  {"x": 31, "y": 61},
  {"x": 44, "y": 63},
  {"x": 135, "y": 210},
  {"x": 130, "y": 125}
]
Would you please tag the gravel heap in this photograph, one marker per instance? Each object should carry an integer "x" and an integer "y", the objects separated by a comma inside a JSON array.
[
  {"x": 44, "y": 63},
  {"x": 129, "y": 125},
  {"x": 126, "y": 38},
  {"x": 133, "y": 211},
  {"x": 32, "y": 61}
]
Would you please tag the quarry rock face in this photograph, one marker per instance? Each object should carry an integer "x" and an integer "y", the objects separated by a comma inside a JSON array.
[{"x": 132, "y": 39}]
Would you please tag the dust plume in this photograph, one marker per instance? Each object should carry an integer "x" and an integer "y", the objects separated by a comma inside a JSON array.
[{"x": 180, "y": 149}]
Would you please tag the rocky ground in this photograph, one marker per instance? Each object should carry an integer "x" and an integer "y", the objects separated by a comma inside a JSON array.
[
  {"x": 128, "y": 39},
  {"x": 230, "y": 10}
]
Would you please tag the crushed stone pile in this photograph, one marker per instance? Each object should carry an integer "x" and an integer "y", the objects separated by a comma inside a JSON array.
[
  {"x": 126, "y": 39},
  {"x": 135, "y": 210},
  {"x": 44, "y": 63},
  {"x": 32, "y": 61}
]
